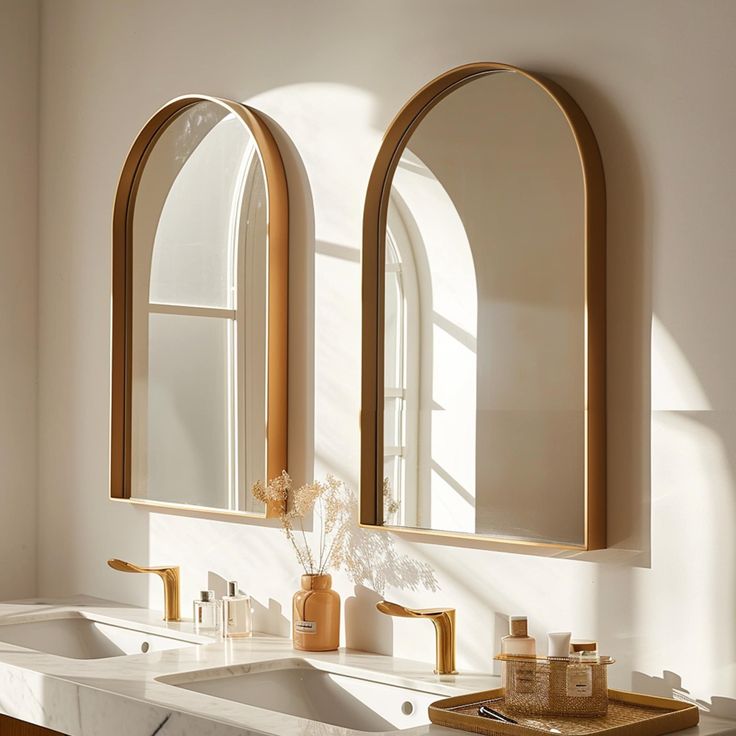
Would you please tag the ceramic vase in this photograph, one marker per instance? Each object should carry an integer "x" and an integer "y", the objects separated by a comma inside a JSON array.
[{"x": 316, "y": 615}]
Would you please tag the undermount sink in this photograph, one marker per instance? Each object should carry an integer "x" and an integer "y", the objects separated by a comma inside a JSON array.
[
  {"x": 78, "y": 636},
  {"x": 316, "y": 691}
]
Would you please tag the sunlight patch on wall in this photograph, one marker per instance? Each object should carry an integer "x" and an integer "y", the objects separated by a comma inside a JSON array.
[
  {"x": 675, "y": 386},
  {"x": 329, "y": 124},
  {"x": 692, "y": 515}
]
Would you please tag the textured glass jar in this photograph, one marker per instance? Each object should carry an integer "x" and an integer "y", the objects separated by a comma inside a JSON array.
[{"x": 316, "y": 615}]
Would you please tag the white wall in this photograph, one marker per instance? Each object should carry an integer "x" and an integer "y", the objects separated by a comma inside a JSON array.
[
  {"x": 19, "y": 62},
  {"x": 654, "y": 80}
]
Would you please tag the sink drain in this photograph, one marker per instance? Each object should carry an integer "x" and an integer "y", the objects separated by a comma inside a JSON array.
[
  {"x": 145, "y": 647},
  {"x": 407, "y": 707}
]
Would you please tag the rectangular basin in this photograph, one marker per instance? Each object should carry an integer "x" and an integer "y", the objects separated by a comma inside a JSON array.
[
  {"x": 80, "y": 637},
  {"x": 312, "y": 690}
]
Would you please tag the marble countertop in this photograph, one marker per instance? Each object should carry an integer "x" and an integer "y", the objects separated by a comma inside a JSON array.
[{"x": 121, "y": 696}]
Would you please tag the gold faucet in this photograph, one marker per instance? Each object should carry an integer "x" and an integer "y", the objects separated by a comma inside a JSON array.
[
  {"x": 444, "y": 626},
  {"x": 170, "y": 576}
]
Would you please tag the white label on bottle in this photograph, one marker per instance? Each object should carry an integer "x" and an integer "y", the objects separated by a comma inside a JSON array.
[
  {"x": 306, "y": 627},
  {"x": 579, "y": 682}
]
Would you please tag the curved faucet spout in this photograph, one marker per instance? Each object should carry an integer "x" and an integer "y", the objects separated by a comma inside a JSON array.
[
  {"x": 170, "y": 577},
  {"x": 444, "y": 625}
]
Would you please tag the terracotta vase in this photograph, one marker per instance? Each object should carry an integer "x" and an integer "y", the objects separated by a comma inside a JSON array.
[{"x": 316, "y": 615}]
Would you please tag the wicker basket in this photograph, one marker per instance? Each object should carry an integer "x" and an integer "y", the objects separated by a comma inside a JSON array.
[{"x": 541, "y": 686}]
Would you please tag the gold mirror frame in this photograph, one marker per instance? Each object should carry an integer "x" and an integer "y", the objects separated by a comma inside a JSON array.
[
  {"x": 278, "y": 270},
  {"x": 374, "y": 242}
]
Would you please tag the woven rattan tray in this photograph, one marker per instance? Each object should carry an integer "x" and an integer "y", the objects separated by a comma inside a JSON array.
[{"x": 629, "y": 714}]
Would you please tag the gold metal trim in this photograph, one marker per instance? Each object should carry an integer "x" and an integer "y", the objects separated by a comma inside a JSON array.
[
  {"x": 434, "y": 535},
  {"x": 374, "y": 230},
  {"x": 185, "y": 509},
  {"x": 278, "y": 274}
]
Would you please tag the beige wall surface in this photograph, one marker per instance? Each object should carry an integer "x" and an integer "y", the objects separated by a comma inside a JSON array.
[
  {"x": 655, "y": 79},
  {"x": 19, "y": 59}
]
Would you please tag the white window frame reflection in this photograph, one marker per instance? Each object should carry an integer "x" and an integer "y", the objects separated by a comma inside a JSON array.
[
  {"x": 246, "y": 286},
  {"x": 420, "y": 502},
  {"x": 403, "y": 481}
]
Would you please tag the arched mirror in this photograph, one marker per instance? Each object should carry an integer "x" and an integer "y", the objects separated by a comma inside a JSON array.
[
  {"x": 483, "y": 408},
  {"x": 200, "y": 248}
]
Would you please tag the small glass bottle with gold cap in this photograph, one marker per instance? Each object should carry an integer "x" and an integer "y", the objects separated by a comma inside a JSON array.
[
  {"x": 237, "y": 621},
  {"x": 207, "y": 613}
]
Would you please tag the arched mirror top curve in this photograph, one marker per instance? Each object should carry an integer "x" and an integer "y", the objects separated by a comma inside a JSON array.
[
  {"x": 483, "y": 386},
  {"x": 199, "y": 310}
]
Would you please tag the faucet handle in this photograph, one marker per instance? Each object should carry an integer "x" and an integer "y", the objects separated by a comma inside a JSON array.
[
  {"x": 444, "y": 626},
  {"x": 169, "y": 576},
  {"x": 123, "y": 566},
  {"x": 394, "y": 609}
]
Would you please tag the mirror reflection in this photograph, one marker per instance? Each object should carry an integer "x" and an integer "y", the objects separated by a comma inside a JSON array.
[
  {"x": 484, "y": 411},
  {"x": 199, "y": 314}
]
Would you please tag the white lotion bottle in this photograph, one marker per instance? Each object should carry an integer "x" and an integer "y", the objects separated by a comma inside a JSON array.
[
  {"x": 558, "y": 644},
  {"x": 558, "y": 654},
  {"x": 237, "y": 619}
]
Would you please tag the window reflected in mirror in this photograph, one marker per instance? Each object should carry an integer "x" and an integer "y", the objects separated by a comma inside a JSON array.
[
  {"x": 487, "y": 265},
  {"x": 200, "y": 306},
  {"x": 430, "y": 341}
]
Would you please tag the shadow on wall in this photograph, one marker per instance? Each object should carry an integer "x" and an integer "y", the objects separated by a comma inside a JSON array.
[
  {"x": 670, "y": 686},
  {"x": 373, "y": 560},
  {"x": 301, "y": 388},
  {"x": 366, "y": 628},
  {"x": 217, "y": 583},
  {"x": 629, "y": 313},
  {"x": 664, "y": 429},
  {"x": 690, "y": 455},
  {"x": 374, "y": 564},
  {"x": 270, "y": 618},
  {"x": 629, "y": 297}
]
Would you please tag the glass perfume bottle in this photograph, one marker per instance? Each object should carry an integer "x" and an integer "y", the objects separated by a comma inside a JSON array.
[
  {"x": 207, "y": 613},
  {"x": 237, "y": 619},
  {"x": 518, "y": 643}
]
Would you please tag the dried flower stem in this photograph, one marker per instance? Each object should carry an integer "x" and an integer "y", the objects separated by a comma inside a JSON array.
[{"x": 331, "y": 503}]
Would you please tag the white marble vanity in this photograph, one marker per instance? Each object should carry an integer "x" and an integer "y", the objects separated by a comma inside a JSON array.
[{"x": 125, "y": 672}]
